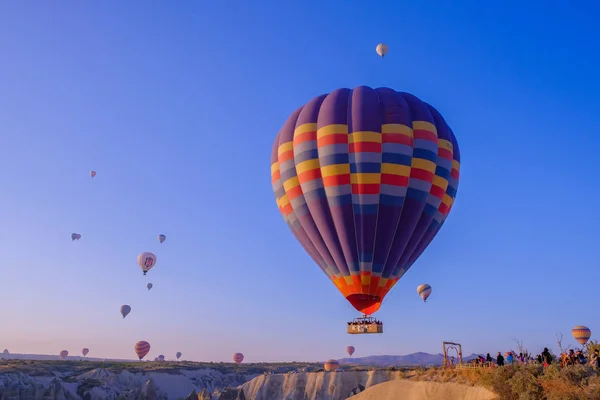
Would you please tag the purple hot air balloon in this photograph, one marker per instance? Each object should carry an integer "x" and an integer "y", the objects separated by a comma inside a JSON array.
[
  {"x": 365, "y": 179},
  {"x": 238, "y": 358},
  {"x": 350, "y": 350}
]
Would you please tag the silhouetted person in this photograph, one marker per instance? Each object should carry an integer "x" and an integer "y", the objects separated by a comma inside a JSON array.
[
  {"x": 500, "y": 359},
  {"x": 488, "y": 358},
  {"x": 546, "y": 357}
]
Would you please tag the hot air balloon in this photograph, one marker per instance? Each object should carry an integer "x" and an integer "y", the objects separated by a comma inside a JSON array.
[
  {"x": 161, "y": 238},
  {"x": 125, "y": 310},
  {"x": 178, "y": 355},
  {"x": 156, "y": 359},
  {"x": 424, "y": 291},
  {"x": 92, "y": 173},
  {"x": 365, "y": 178},
  {"x": 581, "y": 334},
  {"x": 146, "y": 261},
  {"x": 85, "y": 351},
  {"x": 350, "y": 350},
  {"x": 64, "y": 354},
  {"x": 331, "y": 365},
  {"x": 75, "y": 236},
  {"x": 381, "y": 49},
  {"x": 161, "y": 357},
  {"x": 238, "y": 358},
  {"x": 142, "y": 348},
  {"x": 149, "y": 286}
]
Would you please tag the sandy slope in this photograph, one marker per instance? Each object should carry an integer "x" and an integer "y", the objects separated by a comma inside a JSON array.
[{"x": 402, "y": 389}]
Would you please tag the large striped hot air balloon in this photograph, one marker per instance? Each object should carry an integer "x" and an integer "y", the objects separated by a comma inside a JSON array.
[
  {"x": 365, "y": 179},
  {"x": 424, "y": 291},
  {"x": 64, "y": 354},
  {"x": 581, "y": 334},
  {"x": 142, "y": 348},
  {"x": 238, "y": 358},
  {"x": 350, "y": 350},
  {"x": 331, "y": 365}
]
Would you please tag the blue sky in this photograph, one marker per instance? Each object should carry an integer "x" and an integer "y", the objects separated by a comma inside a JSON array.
[{"x": 177, "y": 106}]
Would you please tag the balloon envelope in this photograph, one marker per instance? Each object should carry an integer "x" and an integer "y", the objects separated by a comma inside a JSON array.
[
  {"x": 85, "y": 351},
  {"x": 350, "y": 350},
  {"x": 146, "y": 261},
  {"x": 125, "y": 309},
  {"x": 161, "y": 238},
  {"x": 381, "y": 49},
  {"x": 178, "y": 355},
  {"x": 331, "y": 365},
  {"x": 365, "y": 179},
  {"x": 92, "y": 173},
  {"x": 75, "y": 236},
  {"x": 149, "y": 286},
  {"x": 64, "y": 354},
  {"x": 161, "y": 357},
  {"x": 581, "y": 334},
  {"x": 424, "y": 291},
  {"x": 238, "y": 358},
  {"x": 142, "y": 348}
]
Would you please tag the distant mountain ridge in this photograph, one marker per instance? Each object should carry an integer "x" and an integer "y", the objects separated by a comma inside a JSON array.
[
  {"x": 408, "y": 360},
  {"x": 46, "y": 357}
]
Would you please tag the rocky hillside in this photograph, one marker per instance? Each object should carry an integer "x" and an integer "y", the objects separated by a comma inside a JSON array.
[
  {"x": 313, "y": 385},
  {"x": 75, "y": 381}
]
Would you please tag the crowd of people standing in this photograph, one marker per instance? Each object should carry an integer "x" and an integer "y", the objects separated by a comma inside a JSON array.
[{"x": 545, "y": 358}]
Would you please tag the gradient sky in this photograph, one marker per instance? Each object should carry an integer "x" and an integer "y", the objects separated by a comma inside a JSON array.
[{"x": 176, "y": 107}]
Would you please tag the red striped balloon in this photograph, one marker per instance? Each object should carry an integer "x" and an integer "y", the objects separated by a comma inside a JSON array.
[
  {"x": 238, "y": 358},
  {"x": 142, "y": 348},
  {"x": 331, "y": 365},
  {"x": 581, "y": 334},
  {"x": 350, "y": 350}
]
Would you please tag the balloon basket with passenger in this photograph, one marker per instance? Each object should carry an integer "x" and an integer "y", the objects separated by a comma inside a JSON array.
[{"x": 365, "y": 324}]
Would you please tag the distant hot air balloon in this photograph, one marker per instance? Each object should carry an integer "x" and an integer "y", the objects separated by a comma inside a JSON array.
[
  {"x": 125, "y": 309},
  {"x": 146, "y": 261},
  {"x": 238, "y": 358},
  {"x": 75, "y": 236},
  {"x": 142, "y": 348},
  {"x": 5, "y": 352},
  {"x": 350, "y": 350},
  {"x": 331, "y": 365},
  {"x": 64, "y": 354},
  {"x": 156, "y": 359},
  {"x": 424, "y": 291},
  {"x": 178, "y": 355},
  {"x": 161, "y": 238},
  {"x": 92, "y": 173},
  {"x": 365, "y": 179},
  {"x": 581, "y": 334},
  {"x": 85, "y": 351},
  {"x": 161, "y": 357},
  {"x": 149, "y": 286},
  {"x": 381, "y": 49}
]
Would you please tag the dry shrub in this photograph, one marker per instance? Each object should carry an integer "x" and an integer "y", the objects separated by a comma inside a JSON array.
[{"x": 525, "y": 384}]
